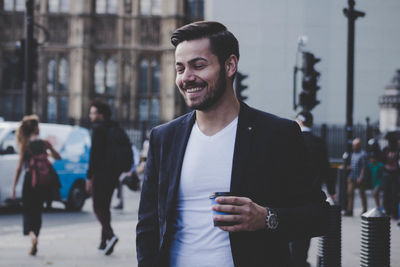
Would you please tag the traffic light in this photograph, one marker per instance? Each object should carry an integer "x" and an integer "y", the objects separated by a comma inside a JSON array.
[
  {"x": 20, "y": 59},
  {"x": 239, "y": 86},
  {"x": 308, "y": 97}
]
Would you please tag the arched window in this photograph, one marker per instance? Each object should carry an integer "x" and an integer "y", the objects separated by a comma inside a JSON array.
[
  {"x": 112, "y": 7},
  {"x": 57, "y": 89},
  {"x": 19, "y": 5},
  {"x": 111, "y": 76},
  {"x": 14, "y": 5},
  {"x": 101, "y": 6},
  {"x": 155, "y": 76},
  {"x": 143, "y": 76},
  {"x": 64, "y": 6},
  {"x": 105, "y": 79},
  {"x": 106, "y": 6},
  {"x": 63, "y": 75},
  {"x": 149, "y": 91},
  {"x": 51, "y": 75},
  {"x": 56, "y": 6},
  {"x": 150, "y": 7},
  {"x": 8, "y": 5},
  {"x": 99, "y": 76}
]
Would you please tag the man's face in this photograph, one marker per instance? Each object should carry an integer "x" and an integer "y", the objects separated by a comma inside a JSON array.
[
  {"x": 356, "y": 145},
  {"x": 94, "y": 115},
  {"x": 200, "y": 78}
]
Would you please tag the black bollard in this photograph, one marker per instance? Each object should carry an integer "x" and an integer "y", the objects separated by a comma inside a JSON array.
[
  {"x": 330, "y": 245},
  {"x": 375, "y": 239},
  {"x": 342, "y": 177}
]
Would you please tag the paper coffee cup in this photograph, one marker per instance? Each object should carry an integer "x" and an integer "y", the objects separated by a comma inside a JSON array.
[{"x": 213, "y": 196}]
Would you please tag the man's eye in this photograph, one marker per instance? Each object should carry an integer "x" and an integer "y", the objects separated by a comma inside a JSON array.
[
  {"x": 180, "y": 70},
  {"x": 198, "y": 66}
]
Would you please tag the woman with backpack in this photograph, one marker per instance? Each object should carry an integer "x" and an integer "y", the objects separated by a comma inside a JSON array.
[{"x": 39, "y": 176}]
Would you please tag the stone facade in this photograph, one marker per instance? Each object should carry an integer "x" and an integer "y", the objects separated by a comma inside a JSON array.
[
  {"x": 115, "y": 50},
  {"x": 390, "y": 106}
]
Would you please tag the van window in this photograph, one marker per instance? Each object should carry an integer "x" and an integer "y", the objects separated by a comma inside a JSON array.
[
  {"x": 76, "y": 148},
  {"x": 9, "y": 144}
]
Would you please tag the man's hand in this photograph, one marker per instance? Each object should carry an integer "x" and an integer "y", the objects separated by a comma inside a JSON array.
[
  {"x": 89, "y": 186},
  {"x": 248, "y": 215}
]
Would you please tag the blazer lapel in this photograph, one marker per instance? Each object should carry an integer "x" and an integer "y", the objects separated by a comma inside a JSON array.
[
  {"x": 245, "y": 129},
  {"x": 181, "y": 138}
]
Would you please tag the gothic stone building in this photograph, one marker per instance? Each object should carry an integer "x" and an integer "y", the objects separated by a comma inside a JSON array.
[{"x": 115, "y": 50}]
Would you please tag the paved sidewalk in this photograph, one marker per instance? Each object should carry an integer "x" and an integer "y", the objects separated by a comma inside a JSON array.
[{"x": 75, "y": 244}]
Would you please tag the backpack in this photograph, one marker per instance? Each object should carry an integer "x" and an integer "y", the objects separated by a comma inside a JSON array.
[
  {"x": 42, "y": 171},
  {"x": 119, "y": 150}
]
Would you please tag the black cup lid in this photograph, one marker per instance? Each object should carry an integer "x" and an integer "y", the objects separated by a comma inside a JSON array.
[{"x": 221, "y": 194}]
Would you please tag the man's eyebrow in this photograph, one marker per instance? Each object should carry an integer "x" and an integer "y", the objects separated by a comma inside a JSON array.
[
  {"x": 197, "y": 59},
  {"x": 193, "y": 60}
]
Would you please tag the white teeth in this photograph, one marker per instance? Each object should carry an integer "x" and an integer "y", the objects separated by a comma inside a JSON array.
[{"x": 192, "y": 90}]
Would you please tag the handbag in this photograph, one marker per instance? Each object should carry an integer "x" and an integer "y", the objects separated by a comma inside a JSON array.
[{"x": 132, "y": 181}]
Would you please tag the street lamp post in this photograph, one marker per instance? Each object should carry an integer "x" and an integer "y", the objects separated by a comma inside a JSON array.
[
  {"x": 29, "y": 46},
  {"x": 351, "y": 15}
]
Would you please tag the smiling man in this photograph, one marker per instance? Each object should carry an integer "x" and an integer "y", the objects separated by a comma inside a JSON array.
[{"x": 223, "y": 146}]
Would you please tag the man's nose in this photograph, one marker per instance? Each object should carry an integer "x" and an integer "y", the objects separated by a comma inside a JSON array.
[{"x": 188, "y": 76}]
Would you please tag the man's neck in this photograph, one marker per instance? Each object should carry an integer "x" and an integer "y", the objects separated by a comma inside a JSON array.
[{"x": 214, "y": 119}]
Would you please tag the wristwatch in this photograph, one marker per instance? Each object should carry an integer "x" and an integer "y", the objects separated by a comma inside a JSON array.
[{"x": 271, "y": 220}]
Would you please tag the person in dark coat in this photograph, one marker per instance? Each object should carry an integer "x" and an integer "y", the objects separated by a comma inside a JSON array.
[
  {"x": 223, "y": 145},
  {"x": 101, "y": 180},
  {"x": 320, "y": 164}
]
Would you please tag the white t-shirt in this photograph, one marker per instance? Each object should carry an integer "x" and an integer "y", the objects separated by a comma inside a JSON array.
[{"x": 206, "y": 168}]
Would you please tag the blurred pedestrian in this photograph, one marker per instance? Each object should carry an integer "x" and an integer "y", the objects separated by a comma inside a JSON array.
[
  {"x": 101, "y": 180},
  {"x": 129, "y": 175},
  {"x": 223, "y": 145},
  {"x": 34, "y": 193},
  {"x": 375, "y": 172},
  {"x": 320, "y": 165},
  {"x": 143, "y": 158},
  {"x": 391, "y": 180},
  {"x": 358, "y": 165}
]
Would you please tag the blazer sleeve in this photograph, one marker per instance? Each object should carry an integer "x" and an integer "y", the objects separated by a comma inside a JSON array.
[
  {"x": 147, "y": 237},
  {"x": 302, "y": 210}
]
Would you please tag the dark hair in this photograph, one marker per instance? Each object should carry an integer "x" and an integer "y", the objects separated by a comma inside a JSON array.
[
  {"x": 102, "y": 107},
  {"x": 306, "y": 118},
  {"x": 222, "y": 42}
]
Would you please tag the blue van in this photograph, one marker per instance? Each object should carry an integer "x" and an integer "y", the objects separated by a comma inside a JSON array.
[{"x": 73, "y": 144}]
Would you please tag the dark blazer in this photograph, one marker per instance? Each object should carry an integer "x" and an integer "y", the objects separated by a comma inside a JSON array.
[
  {"x": 269, "y": 166},
  {"x": 319, "y": 161}
]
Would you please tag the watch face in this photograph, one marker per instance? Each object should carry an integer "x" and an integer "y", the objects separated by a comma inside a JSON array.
[{"x": 273, "y": 221}]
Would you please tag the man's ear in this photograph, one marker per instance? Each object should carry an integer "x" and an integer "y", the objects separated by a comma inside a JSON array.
[{"x": 231, "y": 66}]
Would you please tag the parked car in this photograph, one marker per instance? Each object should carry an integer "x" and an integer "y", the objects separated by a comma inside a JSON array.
[{"x": 73, "y": 144}]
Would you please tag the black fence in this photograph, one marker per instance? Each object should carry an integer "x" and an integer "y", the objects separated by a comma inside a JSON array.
[{"x": 335, "y": 137}]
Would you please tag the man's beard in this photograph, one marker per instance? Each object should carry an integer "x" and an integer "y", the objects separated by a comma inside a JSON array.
[{"x": 214, "y": 95}]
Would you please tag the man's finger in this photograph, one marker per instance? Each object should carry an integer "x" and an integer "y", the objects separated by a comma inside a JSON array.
[
  {"x": 232, "y": 200},
  {"x": 235, "y": 209},
  {"x": 227, "y": 218}
]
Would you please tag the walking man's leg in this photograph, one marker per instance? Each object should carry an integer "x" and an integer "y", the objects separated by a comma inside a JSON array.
[{"x": 350, "y": 196}]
